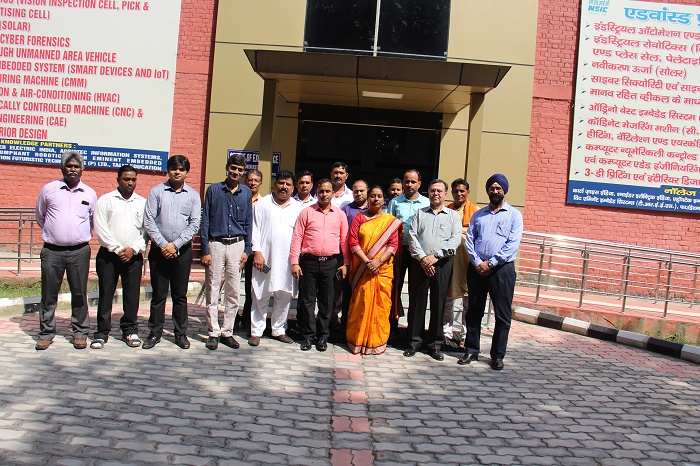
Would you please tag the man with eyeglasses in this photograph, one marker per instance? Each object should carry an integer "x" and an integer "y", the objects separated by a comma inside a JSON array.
[
  {"x": 433, "y": 236},
  {"x": 253, "y": 180},
  {"x": 492, "y": 242}
]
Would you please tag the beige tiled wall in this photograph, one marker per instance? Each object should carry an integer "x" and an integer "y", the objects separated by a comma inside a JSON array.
[{"x": 494, "y": 31}]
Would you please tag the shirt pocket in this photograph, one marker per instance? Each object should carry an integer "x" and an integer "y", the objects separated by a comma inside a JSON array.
[
  {"x": 502, "y": 230},
  {"x": 137, "y": 216},
  {"x": 239, "y": 213},
  {"x": 186, "y": 211},
  {"x": 444, "y": 230},
  {"x": 81, "y": 209}
]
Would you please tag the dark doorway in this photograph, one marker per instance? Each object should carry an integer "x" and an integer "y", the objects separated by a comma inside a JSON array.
[{"x": 377, "y": 144}]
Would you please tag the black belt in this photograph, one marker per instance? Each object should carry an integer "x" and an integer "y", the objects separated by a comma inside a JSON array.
[
  {"x": 228, "y": 240},
  {"x": 318, "y": 258},
  {"x": 55, "y": 247}
]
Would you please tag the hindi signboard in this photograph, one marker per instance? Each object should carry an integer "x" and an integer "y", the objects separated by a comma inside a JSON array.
[
  {"x": 252, "y": 158},
  {"x": 636, "y": 131},
  {"x": 96, "y": 76}
]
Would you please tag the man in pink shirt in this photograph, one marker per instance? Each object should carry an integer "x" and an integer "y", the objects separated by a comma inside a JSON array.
[
  {"x": 64, "y": 210},
  {"x": 319, "y": 237}
]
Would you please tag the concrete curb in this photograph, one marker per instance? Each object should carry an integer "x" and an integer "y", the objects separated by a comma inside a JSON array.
[
  {"x": 31, "y": 303},
  {"x": 668, "y": 348}
]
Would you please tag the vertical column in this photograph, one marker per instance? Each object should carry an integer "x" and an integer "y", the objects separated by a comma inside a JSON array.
[
  {"x": 267, "y": 131},
  {"x": 476, "y": 126}
]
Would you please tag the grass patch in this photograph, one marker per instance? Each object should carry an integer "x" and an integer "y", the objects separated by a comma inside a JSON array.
[
  {"x": 24, "y": 287},
  {"x": 674, "y": 337}
]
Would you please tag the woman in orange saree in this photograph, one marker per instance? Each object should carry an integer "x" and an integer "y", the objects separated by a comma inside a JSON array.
[{"x": 373, "y": 239}]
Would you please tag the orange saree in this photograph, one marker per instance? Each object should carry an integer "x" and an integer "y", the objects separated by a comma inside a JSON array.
[{"x": 371, "y": 302}]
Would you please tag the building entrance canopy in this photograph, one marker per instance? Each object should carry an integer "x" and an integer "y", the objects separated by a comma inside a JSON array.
[{"x": 375, "y": 82}]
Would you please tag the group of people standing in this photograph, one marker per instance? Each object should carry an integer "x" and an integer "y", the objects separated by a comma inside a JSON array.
[{"x": 344, "y": 251}]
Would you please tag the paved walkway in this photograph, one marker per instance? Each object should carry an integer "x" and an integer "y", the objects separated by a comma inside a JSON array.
[{"x": 562, "y": 399}]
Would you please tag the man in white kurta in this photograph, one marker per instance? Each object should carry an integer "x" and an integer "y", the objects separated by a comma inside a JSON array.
[{"x": 273, "y": 223}]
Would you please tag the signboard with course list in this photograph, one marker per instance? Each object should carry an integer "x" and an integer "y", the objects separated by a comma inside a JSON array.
[
  {"x": 636, "y": 132},
  {"x": 96, "y": 76}
]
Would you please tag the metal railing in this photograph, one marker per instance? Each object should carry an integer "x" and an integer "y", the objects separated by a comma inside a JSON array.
[
  {"x": 586, "y": 267},
  {"x": 545, "y": 262},
  {"x": 21, "y": 243},
  {"x": 20, "y": 236}
]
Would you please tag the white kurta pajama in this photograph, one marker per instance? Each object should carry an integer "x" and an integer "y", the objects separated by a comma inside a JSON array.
[{"x": 272, "y": 236}]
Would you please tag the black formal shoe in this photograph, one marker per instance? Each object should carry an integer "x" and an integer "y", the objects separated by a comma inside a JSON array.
[
  {"x": 230, "y": 342},
  {"x": 182, "y": 341},
  {"x": 306, "y": 345},
  {"x": 467, "y": 358},
  {"x": 410, "y": 352},
  {"x": 150, "y": 342},
  {"x": 437, "y": 355},
  {"x": 321, "y": 345},
  {"x": 497, "y": 364},
  {"x": 212, "y": 343}
]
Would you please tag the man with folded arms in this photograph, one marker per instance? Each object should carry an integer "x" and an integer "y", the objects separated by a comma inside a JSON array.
[
  {"x": 119, "y": 228},
  {"x": 173, "y": 213},
  {"x": 492, "y": 243},
  {"x": 433, "y": 238},
  {"x": 320, "y": 234},
  {"x": 64, "y": 210},
  {"x": 273, "y": 225},
  {"x": 227, "y": 222}
]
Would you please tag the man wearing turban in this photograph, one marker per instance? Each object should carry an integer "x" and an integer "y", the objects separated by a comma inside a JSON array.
[{"x": 492, "y": 243}]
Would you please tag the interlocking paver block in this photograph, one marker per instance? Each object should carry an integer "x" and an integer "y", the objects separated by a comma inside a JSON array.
[
  {"x": 349, "y": 374},
  {"x": 349, "y": 396},
  {"x": 362, "y": 458},
  {"x": 341, "y": 457},
  {"x": 341, "y": 424},
  {"x": 563, "y": 399},
  {"x": 347, "y": 357}
]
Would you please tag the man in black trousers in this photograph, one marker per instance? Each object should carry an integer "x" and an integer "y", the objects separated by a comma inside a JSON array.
[
  {"x": 433, "y": 237},
  {"x": 319, "y": 243},
  {"x": 173, "y": 213},
  {"x": 492, "y": 243},
  {"x": 119, "y": 228}
]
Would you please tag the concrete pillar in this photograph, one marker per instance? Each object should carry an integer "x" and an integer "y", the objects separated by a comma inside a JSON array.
[
  {"x": 473, "y": 159},
  {"x": 267, "y": 131}
]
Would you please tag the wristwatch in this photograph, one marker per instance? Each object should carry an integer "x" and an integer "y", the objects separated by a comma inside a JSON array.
[{"x": 444, "y": 253}]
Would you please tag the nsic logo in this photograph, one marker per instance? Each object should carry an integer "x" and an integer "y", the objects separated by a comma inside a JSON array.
[{"x": 598, "y": 6}]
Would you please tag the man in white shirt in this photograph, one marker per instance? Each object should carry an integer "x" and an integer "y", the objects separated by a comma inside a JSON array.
[
  {"x": 119, "y": 228},
  {"x": 342, "y": 195},
  {"x": 273, "y": 224},
  {"x": 304, "y": 184}
]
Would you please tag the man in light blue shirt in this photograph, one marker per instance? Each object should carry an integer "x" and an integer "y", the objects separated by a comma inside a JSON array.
[
  {"x": 404, "y": 208},
  {"x": 173, "y": 213},
  {"x": 492, "y": 243}
]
